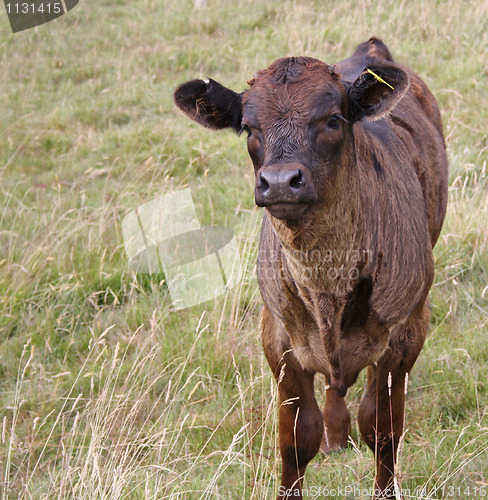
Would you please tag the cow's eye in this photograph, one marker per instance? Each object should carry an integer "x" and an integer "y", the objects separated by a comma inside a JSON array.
[{"x": 333, "y": 122}]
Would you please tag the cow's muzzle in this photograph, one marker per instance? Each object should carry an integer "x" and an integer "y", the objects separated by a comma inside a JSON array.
[{"x": 285, "y": 189}]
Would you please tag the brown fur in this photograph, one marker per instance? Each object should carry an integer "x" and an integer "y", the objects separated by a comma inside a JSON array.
[{"x": 345, "y": 277}]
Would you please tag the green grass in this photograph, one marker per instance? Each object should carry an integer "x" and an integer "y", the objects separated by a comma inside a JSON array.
[{"x": 105, "y": 390}]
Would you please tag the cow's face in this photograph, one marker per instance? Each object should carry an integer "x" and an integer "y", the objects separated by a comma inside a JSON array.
[
  {"x": 293, "y": 114},
  {"x": 298, "y": 116}
]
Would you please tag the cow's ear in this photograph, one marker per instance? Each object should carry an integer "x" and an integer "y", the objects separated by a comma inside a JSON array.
[
  {"x": 377, "y": 91},
  {"x": 210, "y": 104}
]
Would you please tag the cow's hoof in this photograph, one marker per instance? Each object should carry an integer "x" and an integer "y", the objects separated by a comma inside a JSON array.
[{"x": 333, "y": 444}]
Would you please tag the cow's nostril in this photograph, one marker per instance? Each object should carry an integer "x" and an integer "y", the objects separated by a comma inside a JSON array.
[
  {"x": 263, "y": 183},
  {"x": 284, "y": 183},
  {"x": 297, "y": 181}
]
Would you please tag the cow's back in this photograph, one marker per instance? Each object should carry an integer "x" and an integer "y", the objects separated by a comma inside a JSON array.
[{"x": 416, "y": 121}]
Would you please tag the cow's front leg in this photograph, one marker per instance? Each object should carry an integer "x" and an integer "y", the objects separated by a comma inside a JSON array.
[
  {"x": 382, "y": 409},
  {"x": 300, "y": 425},
  {"x": 381, "y": 423},
  {"x": 300, "y": 420}
]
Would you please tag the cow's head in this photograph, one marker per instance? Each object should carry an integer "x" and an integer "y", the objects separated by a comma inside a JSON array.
[{"x": 298, "y": 116}]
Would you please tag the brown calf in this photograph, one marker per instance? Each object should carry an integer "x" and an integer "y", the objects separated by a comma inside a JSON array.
[{"x": 350, "y": 164}]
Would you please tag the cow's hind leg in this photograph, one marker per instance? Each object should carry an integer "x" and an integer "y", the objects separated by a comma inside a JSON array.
[
  {"x": 337, "y": 423},
  {"x": 300, "y": 420},
  {"x": 382, "y": 408}
]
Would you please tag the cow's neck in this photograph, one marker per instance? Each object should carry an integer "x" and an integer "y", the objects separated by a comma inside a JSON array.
[
  {"x": 322, "y": 251},
  {"x": 323, "y": 259}
]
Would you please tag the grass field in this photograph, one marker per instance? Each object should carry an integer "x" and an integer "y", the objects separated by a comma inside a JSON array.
[{"x": 106, "y": 392}]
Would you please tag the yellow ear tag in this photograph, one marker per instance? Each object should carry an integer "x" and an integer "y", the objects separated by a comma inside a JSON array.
[{"x": 379, "y": 78}]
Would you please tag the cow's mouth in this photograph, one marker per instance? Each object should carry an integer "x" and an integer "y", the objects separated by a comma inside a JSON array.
[{"x": 287, "y": 211}]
